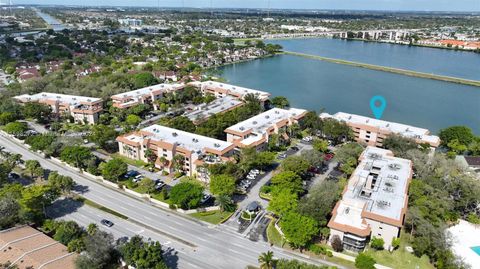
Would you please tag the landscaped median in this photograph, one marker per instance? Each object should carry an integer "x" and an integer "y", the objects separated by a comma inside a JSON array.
[
  {"x": 213, "y": 217},
  {"x": 100, "y": 207}
]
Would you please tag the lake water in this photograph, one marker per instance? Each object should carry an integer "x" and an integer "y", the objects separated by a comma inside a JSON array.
[
  {"x": 314, "y": 84},
  {"x": 461, "y": 64}
]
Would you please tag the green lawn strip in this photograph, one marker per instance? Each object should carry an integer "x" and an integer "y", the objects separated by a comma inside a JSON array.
[
  {"x": 137, "y": 163},
  {"x": 213, "y": 217},
  {"x": 100, "y": 207},
  {"x": 265, "y": 196},
  {"x": 273, "y": 235},
  {"x": 400, "y": 258}
]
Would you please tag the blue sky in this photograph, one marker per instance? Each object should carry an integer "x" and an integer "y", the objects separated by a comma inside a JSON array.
[{"x": 423, "y": 5}]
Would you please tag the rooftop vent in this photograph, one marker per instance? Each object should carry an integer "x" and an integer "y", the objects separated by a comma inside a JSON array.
[
  {"x": 267, "y": 117},
  {"x": 254, "y": 122},
  {"x": 277, "y": 112},
  {"x": 394, "y": 166},
  {"x": 388, "y": 124},
  {"x": 216, "y": 145},
  {"x": 194, "y": 140},
  {"x": 174, "y": 134},
  {"x": 350, "y": 117},
  {"x": 347, "y": 210},
  {"x": 374, "y": 156},
  {"x": 383, "y": 204},
  {"x": 241, "y": 128}
]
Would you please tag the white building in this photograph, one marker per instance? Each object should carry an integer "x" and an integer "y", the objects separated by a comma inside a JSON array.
[
  {"x": 147, "y": 95},
  {"x": 374, "y": 202},
  {"x": 82, "y": 109},
  {"x": 220, "y": 89},
  {"x": 372, "y": 131},
  {"x": 130, "y": 22},
  {"x": 255, "y": 132},
  {"x": 220, "y": 105},
  {"x": 166, "y": 143}
]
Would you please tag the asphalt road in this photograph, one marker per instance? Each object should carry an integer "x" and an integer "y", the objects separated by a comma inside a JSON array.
[{"x": 208, "y": 246}]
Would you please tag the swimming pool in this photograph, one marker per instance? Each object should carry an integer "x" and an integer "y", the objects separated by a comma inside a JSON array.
[{"x": 476, "y": 250}]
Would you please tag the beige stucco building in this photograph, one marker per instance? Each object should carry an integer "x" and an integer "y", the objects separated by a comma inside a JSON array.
[
  {"x": 373, "y": 131},
  {"x": 166, "y": 143},
  {"x": 374, "y": 202},
  {"x": 147, "y": 95},
  {"x": 255, "y": 131},
  {"x": 220, "y": 89},
  {"x": 83, "y": 109}
]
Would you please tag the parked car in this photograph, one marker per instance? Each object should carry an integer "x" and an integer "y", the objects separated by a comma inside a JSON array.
[
  {"x": 295, "y": 148},
  {"x": 137, "y": 178},
  {"x": 328, "y": 156},
  {"x": 252, "y": 177},
  {"x": 106, "y": 222},
  {"x": 255, "y": 171},
  {"x": 205, "y": 198},
  {"x": 131, "y": 173},
  {"x": 282, "y": 156},
  {"x": 159, "y": 185},
  {"x": 307, "y": 139}
]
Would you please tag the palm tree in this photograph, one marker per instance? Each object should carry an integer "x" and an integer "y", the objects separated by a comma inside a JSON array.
[
  {"x": 266, "y": 260},
  {"x": 92, "y": 228},
  {"x": 251, "y": 98},
  {"x": 225, "y": 203}
]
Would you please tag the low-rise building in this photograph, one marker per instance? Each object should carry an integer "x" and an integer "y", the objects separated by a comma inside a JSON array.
[
  {"x": 374, "y": 202},
  {"x": 85, "y": 110},
  {"x": 147, "y": 95},
  {"x": 220, "y": 89},
  {"x": 24, "y": 247},
  {"x": 166, "y": 143},
  {"x": 373, "y": 131},
  {"x": 255, "y": 132},
  {"x": 220, "y": 105}
]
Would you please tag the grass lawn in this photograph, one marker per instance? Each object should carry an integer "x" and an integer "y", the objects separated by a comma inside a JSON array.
[
  {"x": 136, "y": 163},
  {"x": 100, "y": 207},
  {"x": 273, "y": 235},
  {"x": 214, "y": 217},
  {"x": 400, "y": 258}
]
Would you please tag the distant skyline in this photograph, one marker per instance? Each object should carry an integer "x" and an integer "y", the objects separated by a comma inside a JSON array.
[{"x": 394, "y": 5}]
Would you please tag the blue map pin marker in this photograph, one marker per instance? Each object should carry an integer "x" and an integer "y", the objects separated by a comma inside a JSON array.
[{"x": 378, "y": 105}]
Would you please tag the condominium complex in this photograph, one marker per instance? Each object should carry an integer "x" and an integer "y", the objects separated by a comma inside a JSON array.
[
  {"x": 372, "y": 131},
  {"x": 220, "y": 105},
  {"x": 82, "y": 109},
  {"x": 146, "y": 95},
  {"x": 24, "y": 247},
  {"x": 374, "y": 202},
  {"x": 166, "y": 143},
  {"x": 220, "y": 89},
  {"x": 255, "y": 131}
]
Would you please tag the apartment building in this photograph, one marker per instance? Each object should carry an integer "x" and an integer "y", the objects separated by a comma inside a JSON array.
[
  {"x": 220, "y": 105},
  {"x": 373, "y": 131},
  {"x": 85, "y": 110},
  {"x": 220, "y": 89},
  {"x": 166, "y": 143},
  {"x": 255, "y": 131},
  {"x": 374, "y": 202},
  {"x": 147, "y": 95},
  {"x": 24, "y": 247}
]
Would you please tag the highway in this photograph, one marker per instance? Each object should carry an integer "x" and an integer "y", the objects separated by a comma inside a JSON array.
[{"x": 199, "y": 245}]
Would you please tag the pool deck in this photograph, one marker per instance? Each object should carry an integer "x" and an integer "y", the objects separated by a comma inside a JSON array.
[{"x": 465, "y": 236}]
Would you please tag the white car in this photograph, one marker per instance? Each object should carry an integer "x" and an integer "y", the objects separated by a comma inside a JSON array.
[
  {"x": 137, "y": 178},
  {"x": 255, "y": 171},
  {"x": 252, "y": 177}
]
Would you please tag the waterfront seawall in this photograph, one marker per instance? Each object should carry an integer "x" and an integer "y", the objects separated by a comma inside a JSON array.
[{"x": 388, "y": 69}]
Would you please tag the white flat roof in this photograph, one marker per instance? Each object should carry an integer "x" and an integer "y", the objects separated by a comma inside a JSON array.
[
  {"x": 184, "y": 139},
  {"x": 466, "y": 235},
  {"x": 135, "y": 94},
  {"x": 398, "y": 128},
  {"x": 261, "y": 122},
  {"x": 217, "y": 106},
  {"x": 62, "y": 98},
  {"x": 234, "y": 89},
  {"x": 379, "y": 183}
]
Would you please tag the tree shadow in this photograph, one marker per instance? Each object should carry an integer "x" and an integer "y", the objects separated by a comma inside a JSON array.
[
  {"x": 81, "y": 189},
  {"x": 171, "y": 257},
  {"x": 63, "y": 207}
]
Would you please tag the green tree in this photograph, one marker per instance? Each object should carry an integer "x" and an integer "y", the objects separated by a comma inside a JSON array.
[
  {"x": 10, "y": 211},
  {"x": 92, "y": 228},
  {"x": 147, "y": 185},
  {"x": 182, "y": 123},
  {"x": 143, "y": 255},
  {"x": 34, "y": 168},
  {"x": 7, "y": 117},
  {"x": 113, "y": 169},
  {"x": 144, "y": 80},
  {"x": 76, "y": 155},
  {"x": 463, "y": 134},
  {"x": 67, "y": 231},
  {"x": 336, "y": 131},
  {"x": 377, "y": 243},
  {"x": 320, "y": 145},
  {"x": 399, "y": 145},
  {"x": 296, "y": 164},
  {"x": 313, "y": 157},
  {"x": 39, "y": 142},
  {"x": 61, "y": 183},
  {"x": 299, "y": 230},
  {"x": 455, "y": 146},
  {"x": 283, "y": 201},
  {"x": 100, "y": 252},
  {"x": 280, "y": 102},
  {"x": 186, "y": 194},
  {"x": 101, "y": 134},
  {"x": 287, "y": 180},
  {"x": 222, "y": 185},
  {"x": 225, "y": 203},
  {"x": 38, "y": 111},
  {"x": 364, "y": 261},
  {"x": 35, "y": 199},
  {"x": 266, "y": 260},
  {"x": 347, "y": 155},
  {"x": 16, "y": 128},
  {"x": 133, "y": 120},
  {"x": 320, "y": 201}
]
